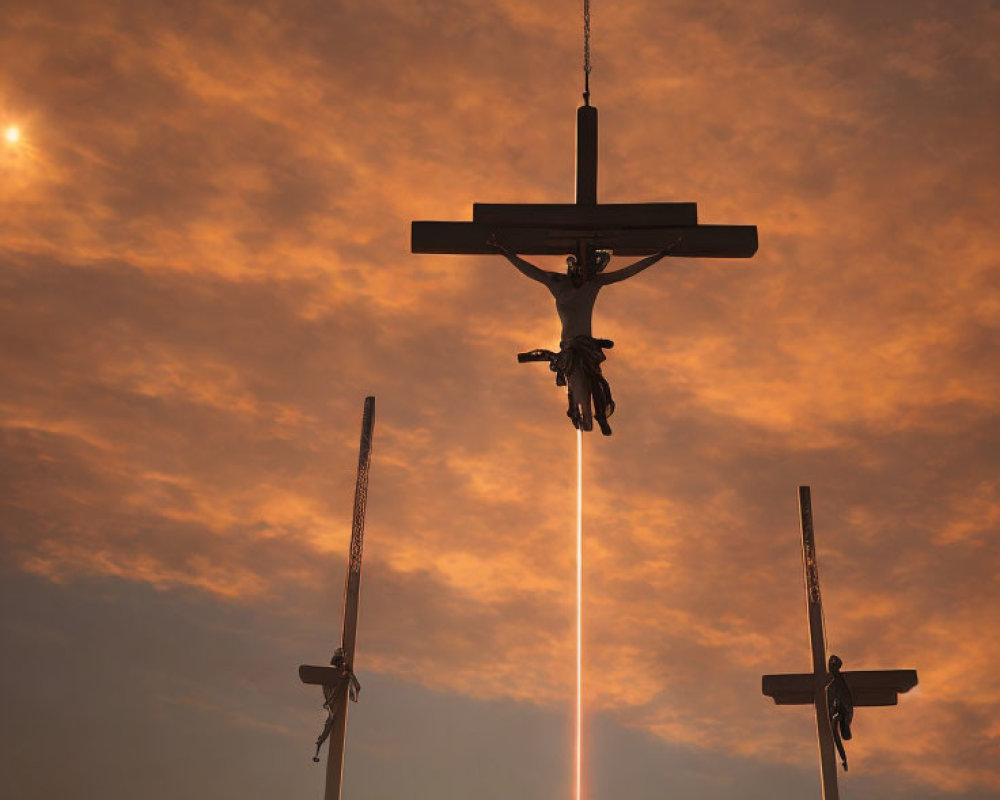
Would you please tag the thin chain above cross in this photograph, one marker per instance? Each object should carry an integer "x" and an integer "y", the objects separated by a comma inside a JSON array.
[{"x": 586, "y": 52}]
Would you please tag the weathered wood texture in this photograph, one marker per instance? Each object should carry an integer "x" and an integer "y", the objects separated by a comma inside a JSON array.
[
  {"x": 352, "y": 588},
  {"x": 817, "y": 643},
  {"x": 329, "y": 676}
]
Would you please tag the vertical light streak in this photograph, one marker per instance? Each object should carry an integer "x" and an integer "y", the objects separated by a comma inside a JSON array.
[{"x": 579, "y": 612}]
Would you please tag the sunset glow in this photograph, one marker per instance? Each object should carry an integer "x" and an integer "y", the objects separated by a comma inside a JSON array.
[{"x": 206, "y": 265}]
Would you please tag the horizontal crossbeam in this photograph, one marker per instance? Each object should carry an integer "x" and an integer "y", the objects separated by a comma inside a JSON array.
[
  {"x": 868, "y": 687},
  {"x": 320, "y": 676},
  {"x": 607, "y": 215},
  {"x": 698, "y": 241}
]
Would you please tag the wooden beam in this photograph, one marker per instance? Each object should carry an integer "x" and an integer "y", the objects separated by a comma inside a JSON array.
[
  {"x": 570, "y": 215},
  {"x": 586, "y": 155},
  {"x": 331, "y": 676},
  {"x": 817, "y": 643},
  {"x": 352, "y": 589},
  {"x": 352, "y": 593},
  {"x": 320, "y": 676},
  {"x": 868, "y": 687},
  {"x": 699, "y": 241}
]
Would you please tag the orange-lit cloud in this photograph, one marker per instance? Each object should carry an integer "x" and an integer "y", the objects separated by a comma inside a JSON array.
[{"x": 205, "y": 268}]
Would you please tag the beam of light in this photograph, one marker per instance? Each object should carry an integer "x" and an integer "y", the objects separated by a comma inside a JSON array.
[
  {"x": 12, "y": 134},
  {"x": 579, "y": 611}
]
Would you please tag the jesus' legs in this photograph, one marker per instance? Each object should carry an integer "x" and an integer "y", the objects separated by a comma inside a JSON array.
[
  {"x": 323, "y": 736},
  {"x": 579, "y": 398}
]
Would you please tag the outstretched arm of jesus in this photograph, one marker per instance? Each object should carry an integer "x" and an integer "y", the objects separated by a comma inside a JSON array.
[
  {"x": 525, "y": 267},
  {"x": 638, "y": 266}
]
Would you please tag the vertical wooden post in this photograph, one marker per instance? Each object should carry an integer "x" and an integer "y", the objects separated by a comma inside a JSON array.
[
  {"x": 352, "y": 593},
  {"x": 817, "y": 641},
  {"x": 586, "y": 155}
]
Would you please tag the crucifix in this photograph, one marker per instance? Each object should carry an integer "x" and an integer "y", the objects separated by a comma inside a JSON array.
[
  {"x": 588, "y": 232},
  {"x": 832, "y": 692},
  {"x": 337, "y": 680}
]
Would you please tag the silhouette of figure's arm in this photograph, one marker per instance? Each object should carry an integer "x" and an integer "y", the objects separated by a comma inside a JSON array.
[
  {"x": 638, "y": 266},
  {"x": 525, "y": 267}
]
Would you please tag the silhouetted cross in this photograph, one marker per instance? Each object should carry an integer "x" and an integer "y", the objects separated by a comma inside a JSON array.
[
  {"x": 867, "y": 687},
  {"x": 336, "y": 680},
  {"x": 627, "y": 229}
]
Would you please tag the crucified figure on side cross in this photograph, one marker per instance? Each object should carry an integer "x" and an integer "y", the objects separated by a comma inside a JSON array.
[
  {"x": 840, "y": 705},
  {"x": 335, "y": 695},
  {"x": 578, "y": 363}
]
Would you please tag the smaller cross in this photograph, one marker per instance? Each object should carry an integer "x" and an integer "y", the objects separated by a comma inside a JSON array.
[
  {"x": 825, "y": 689},
  {"x": 337, "y": 680}
]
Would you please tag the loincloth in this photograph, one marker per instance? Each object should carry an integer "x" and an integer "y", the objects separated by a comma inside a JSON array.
[{"x": 580, "y": 354}]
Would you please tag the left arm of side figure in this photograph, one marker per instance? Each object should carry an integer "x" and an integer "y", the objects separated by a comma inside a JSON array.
[{"x": 638, "y": 266}]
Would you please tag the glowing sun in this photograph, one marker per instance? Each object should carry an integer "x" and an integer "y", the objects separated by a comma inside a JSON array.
[{"x": 12, "y": 134}]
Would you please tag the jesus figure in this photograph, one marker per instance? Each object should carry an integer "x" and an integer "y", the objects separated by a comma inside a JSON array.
[{"x": 578, "y": 363}]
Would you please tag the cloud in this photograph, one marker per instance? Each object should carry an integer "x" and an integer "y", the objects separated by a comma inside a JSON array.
[{"x": 205, "y": 268}]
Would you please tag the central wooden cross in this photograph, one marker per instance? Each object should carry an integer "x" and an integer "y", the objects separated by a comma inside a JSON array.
[{"x": 627, "y": 229}]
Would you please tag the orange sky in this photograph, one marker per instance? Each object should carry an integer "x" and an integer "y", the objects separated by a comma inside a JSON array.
[{"x": 204, "y": 259}]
